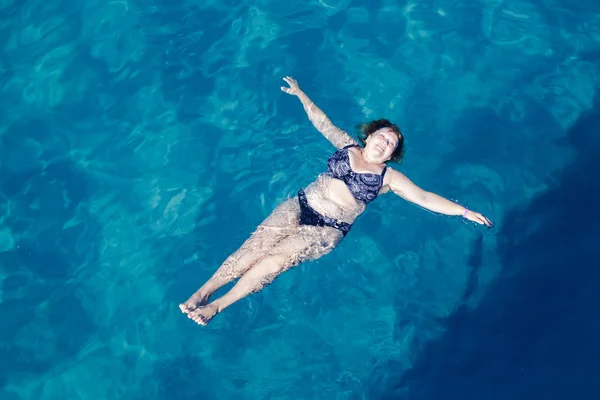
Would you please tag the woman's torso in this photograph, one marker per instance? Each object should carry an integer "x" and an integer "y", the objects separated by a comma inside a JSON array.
[{"x": 331, "y": 195}]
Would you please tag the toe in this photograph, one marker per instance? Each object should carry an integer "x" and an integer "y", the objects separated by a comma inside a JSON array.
[{"x": 198, "y": 317}]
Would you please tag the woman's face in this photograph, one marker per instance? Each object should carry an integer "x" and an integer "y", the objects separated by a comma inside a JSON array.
[{"x": 381, "y": 144}]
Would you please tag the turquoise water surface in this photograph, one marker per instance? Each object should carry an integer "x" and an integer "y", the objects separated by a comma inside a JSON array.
[{"x": 141, "y": 142}]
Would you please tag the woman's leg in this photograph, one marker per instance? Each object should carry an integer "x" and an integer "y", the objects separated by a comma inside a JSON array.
[
  {"x": 281, "y": 223},
  {"x": 309, "y": 243}
]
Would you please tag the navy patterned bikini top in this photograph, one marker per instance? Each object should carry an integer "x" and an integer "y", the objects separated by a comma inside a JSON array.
[{"x": 363, "y": 186}]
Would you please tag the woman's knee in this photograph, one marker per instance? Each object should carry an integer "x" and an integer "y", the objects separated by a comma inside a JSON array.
[{"x": 272, "y": 264}]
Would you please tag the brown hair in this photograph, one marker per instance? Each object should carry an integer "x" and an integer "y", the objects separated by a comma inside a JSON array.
[{"x": 366, "y": 129}]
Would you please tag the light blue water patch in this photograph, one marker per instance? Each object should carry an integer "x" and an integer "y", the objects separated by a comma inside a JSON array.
[
  {"x": 7, "y": 242},
  {"x": 142, "y": 142}
]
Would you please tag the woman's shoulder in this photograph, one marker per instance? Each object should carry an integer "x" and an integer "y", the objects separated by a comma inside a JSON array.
[
  {"x": 391, "y": 174},
  {"x": 349, "y": 142}
]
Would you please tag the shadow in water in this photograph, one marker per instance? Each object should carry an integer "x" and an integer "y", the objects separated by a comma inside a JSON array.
[{"x": 535, "y": 332}]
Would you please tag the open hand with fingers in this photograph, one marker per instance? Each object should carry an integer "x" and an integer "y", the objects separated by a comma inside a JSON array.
[
  {"x": 477, "y": 217},
  {"x": 293, "y": 89}
]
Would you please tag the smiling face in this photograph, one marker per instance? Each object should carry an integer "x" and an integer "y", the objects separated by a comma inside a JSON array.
[
  {"x": 381, "y": 144},
  {"x": 382, "y": 141}
]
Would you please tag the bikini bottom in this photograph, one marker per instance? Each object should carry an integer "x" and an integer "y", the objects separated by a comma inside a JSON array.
[{"x": 308, "y": 216}]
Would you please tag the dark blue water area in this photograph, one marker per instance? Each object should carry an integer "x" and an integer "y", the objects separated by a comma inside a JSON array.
[{"x": 532, "y": 335}]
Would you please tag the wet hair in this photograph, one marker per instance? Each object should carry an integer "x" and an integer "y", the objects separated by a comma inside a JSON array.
[{"x": 366, "y": 129}]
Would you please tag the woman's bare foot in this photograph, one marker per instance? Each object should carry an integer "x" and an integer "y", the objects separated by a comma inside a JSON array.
[
  {"x": 202, "y": 315},
  {"x": 198, "y": 299}
]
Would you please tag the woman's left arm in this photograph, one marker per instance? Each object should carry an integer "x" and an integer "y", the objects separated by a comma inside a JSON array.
[{"x": 405, "y": 188}]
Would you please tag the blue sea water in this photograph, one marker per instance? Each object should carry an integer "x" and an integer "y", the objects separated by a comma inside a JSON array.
[{"x": 142, "y": 141}]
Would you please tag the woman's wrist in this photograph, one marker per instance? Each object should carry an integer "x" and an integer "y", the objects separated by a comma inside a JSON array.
[{"x": 303, "y": 97}]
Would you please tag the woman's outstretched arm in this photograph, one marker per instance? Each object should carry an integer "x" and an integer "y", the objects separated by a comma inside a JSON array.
[
  {"x": 405, "y": 188},
  {"x": 338, "y": 137}
]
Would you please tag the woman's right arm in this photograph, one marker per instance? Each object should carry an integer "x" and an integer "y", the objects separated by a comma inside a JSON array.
[{"x": 338, "y": 137}]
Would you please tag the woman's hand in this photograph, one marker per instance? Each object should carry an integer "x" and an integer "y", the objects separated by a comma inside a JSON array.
[
  {"x": 294, "y": 89},
  {"x": 476, "y": 217}
]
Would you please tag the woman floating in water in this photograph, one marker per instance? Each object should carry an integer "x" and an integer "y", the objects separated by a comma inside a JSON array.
[{"x": 310, "y": 225}]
